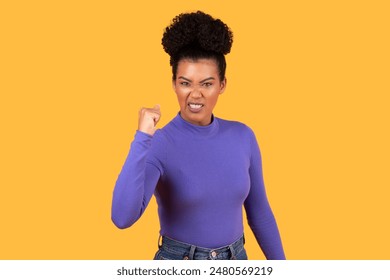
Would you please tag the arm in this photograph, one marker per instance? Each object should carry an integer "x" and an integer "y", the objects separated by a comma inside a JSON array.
[
  {"x": 259, "y": 213},
  {"x": 140, "y": 173},
  {"x": 136, "y": 182}
]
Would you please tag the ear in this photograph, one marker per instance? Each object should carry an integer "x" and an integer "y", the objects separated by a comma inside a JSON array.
[{"x": 223, "y": 86}]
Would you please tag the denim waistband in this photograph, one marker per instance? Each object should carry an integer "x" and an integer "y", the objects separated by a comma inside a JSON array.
[{"x": 197, "y": 252}]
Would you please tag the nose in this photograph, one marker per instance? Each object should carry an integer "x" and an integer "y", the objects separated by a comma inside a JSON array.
[{"x": 195, "y": 93}]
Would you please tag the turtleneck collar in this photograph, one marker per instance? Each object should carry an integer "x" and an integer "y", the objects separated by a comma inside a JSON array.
[{"x": 202, "y": 131}]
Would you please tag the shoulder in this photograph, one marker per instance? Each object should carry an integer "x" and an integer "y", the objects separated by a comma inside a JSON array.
[
  {"x": 159, "y": 137},
  {"x": 235, "y": 127},
  {"x": 245, "y": 136},
  {"x": 167, "y": 133}
]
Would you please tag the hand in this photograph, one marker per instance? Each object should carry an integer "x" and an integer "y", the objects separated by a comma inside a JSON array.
[{"x": 148, "y": 118}]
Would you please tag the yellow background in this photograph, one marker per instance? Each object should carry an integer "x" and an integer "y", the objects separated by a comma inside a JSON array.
[{"x": 310, "y": 77}]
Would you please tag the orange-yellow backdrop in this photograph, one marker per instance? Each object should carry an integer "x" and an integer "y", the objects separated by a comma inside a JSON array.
[{"x": 310, "y": 77}]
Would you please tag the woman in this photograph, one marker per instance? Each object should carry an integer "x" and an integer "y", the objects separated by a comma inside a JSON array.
[{"x": 201, "y": 169}]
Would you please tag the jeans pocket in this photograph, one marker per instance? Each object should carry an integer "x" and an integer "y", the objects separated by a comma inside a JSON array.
[
  {"x": 164, "y": 255},
  {"x": 242, "y": 255}
]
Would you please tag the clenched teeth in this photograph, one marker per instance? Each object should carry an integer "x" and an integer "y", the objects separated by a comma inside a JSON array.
[{"x": 195, "y": 106}]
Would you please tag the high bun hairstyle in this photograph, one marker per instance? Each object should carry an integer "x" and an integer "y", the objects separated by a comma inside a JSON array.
[{"x": 195, "y": 36}]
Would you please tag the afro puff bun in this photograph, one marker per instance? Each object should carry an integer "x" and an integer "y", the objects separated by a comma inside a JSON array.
[{"x": 197, "y": 30}]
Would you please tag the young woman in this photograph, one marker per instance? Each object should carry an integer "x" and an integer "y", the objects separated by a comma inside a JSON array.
[{"x": 202, "y": 169}]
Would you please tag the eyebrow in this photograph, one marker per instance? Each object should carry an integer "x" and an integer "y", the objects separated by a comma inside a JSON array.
[{"x": 202, "y": 81}]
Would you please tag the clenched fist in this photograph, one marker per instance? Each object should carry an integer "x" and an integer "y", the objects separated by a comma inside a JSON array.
[{"x": 148, "y": 118}]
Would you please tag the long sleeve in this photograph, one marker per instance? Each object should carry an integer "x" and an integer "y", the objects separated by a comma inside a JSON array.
[
  {"x": 136, "y": 182},
  {"x": 260, "y": 216}
]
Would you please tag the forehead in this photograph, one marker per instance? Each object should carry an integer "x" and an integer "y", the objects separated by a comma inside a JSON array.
[{"x": 197, "y": 68}]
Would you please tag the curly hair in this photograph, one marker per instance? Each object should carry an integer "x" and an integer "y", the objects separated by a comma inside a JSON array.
[{"x": 197, "y": 35}]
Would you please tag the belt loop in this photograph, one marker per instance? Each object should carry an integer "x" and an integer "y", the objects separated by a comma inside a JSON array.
[
  {"x": 233, "y": 257},
  {"x": 158, "y": 242},
  {"x": 192, "y": 252}
]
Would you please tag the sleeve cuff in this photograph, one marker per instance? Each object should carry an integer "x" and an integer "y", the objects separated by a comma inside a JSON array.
[{"x": 139, "y": 135}]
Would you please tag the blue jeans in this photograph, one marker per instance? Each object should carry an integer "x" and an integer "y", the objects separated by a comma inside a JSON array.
[{"x": 171, "y": 249}]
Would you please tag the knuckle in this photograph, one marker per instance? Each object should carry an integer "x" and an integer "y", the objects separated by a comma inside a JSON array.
[{"x": 143, "y": 110}]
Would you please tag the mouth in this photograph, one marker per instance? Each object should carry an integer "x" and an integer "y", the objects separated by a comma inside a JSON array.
[{"x": 195, "y": 107}]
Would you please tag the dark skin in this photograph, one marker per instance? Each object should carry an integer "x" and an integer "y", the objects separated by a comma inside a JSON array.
[{"x": 197, "y": 88}]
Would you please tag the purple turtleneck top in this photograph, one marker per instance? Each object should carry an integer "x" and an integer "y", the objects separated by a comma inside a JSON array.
[{"x": 201, "y": 177}]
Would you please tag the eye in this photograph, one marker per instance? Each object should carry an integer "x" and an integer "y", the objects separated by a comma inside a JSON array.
[
  {"x": 207, "y": 84},
  {"x": 186, "y": 84}
]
